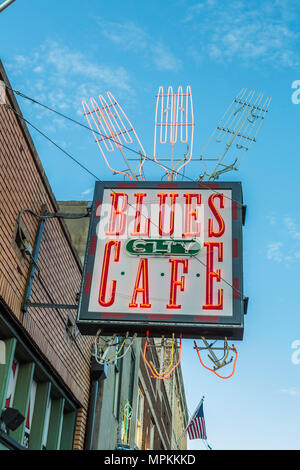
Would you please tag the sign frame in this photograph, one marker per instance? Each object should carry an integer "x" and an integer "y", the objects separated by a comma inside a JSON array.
[{"x": 189, "y": 326}]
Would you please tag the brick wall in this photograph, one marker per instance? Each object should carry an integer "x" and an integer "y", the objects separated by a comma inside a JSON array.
[{"x": 23, "y": 184}]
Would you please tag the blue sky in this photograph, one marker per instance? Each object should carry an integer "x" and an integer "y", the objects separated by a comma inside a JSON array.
[{"x": 61, "y": 52}]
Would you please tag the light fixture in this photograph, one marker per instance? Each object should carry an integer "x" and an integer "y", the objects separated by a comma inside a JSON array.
[{"x": 12, "y": 418}]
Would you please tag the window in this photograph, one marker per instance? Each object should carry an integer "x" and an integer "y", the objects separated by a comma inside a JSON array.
[
  {"x": 46, "y": 424},
  {"x": 116, "y": 393},
  {"x": 13, "y": 374},
  {"x": 118, "y": 382},
  {"x": 151, "y": 439},
  {"x": 149, "y": 436},
  {"x": 131, "y": 378},
  {"x": 28, "y": 420},
  {"x": 26, "y": 385},
  {"x": 140, "y": 418}
]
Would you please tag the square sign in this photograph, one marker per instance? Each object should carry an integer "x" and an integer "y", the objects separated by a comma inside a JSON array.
[{"x": 164, "y": 257}]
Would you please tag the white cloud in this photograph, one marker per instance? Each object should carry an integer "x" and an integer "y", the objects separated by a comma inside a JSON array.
[
  {"x": 66, "y": 76},
  {"x": 127, "y": 35},
  {"x": 192, "y": 11},
  {"x": 288, "y": 250},
  {"x": 86, "y": 192},
  {"x": 38, "y": 69},
  {"x": 274, "y": 252},
  {"x": 67, "y": 62},
  {"x": 292, "y": 391},
  {"x": 272, "y": 219},
  {"x": 131, "y": 37},
  {"x": 247, "y": 31},
  {"x": 291, "y": 228},
  {"x": 164, "y": 59}
]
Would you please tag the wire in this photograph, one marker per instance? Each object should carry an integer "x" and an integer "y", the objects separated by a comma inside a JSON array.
[
  {"x": 22, "y": 95},
  {"x": 149, "y": 365},
  {"x": 100, "y": 357},
  {"x": 54, "y": 143},
  {"x": 160, "y": 374},
  {"x": 212, "y": 370},
  {"x": 98, "y": 179},
  {"x": 107, "y": 359}
]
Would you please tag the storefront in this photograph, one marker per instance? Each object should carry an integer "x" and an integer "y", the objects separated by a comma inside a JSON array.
[{"x": 37, "y": 410}]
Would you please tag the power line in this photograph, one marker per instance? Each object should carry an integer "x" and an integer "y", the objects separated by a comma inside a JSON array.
[
  {"x": 54, "y": 143},
  {"x": 98, "y": 179},
  {"x": 22, "y": 95}
]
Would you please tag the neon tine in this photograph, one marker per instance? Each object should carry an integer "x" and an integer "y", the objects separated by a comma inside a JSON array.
[
  {"x": 104, "y": 128},
  {"x": 158, "y": 124},
  {"x": 112, "y": 131},
  {"x": 174, "y": 111},
  {"x": 123, "y": 131},
  {"x": 90, "y": 113},
  {"x": 106, "y": 116},
  {"x": 126, "y": 132},
  {"x": 236, "y": 131}
]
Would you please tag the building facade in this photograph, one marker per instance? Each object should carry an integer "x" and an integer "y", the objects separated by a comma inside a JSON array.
[
  {"x": 45, "y": 375},
  {"x": 157, "y": 408},
  {"x": 46, "y": 391}
]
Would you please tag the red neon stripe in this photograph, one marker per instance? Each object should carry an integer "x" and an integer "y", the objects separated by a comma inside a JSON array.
[
  {"x": 93, "y": 245},
  {"x": 167, "y": 185},
  {"x": 235, "y": 251},
  {"x": 207, "y": 318},
  {"x": 234, "y": 210},
  {"x": 236, "y": 288},
  {"x": 159, "y": 317},
  {"x": 209, "y": 185},
  {"x": 87, "y": 284},
  {"x": 126, "y": 185},
  {"x": 112, "y": 315}
]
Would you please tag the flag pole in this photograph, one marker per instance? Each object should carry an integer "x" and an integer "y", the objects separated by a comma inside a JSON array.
[{"x": 191, "y": 419}]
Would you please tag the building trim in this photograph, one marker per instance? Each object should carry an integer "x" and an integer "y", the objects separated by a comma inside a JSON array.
[{"x": 24, "y": 339}]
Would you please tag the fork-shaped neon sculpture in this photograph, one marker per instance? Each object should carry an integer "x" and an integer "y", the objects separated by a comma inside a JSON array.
[
  {"x": 234, "y": 134},
  {"x": 174, "y": 122},
  {"x": 112, "y": 130}
]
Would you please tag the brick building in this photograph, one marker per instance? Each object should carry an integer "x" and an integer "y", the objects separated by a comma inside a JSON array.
[
  {"x": 46, "y": 372},
  {"x": 44, "y": 360}
]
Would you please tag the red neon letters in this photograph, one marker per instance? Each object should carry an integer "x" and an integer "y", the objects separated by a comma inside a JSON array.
[
  {"x": 213, "y": 227},
  {"x": 174, "y": 281},
  {"x": 115, "y": 212},
  {"x": 211, "y": 199},
  {"x": 163, "y": 197},
  {"x": 210, "y": 275},
  {"x": 142, "y": 272},
  {"x": 138, "y": 214},
  {"x": 103, "y": 282},
  {"x": 189, "y": 214}
]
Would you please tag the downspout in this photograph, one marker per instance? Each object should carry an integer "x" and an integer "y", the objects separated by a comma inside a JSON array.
[{"x": 98, "y": 373}]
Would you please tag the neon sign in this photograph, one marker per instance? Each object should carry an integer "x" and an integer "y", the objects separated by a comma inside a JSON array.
[{"x": 166, "y": 255}]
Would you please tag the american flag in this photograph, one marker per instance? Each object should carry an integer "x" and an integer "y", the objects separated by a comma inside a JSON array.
[{"x": 196, "y": 429}]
